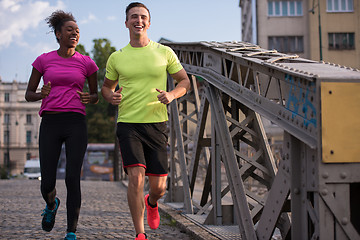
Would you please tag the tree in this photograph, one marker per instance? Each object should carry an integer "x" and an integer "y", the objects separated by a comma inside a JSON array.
[
  {"x": 101, "y": 116},
  {"x": 81, "y": 49},
  {"x": 101, "y": 52}
]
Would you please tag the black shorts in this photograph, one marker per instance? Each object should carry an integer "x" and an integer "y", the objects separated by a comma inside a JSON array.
[{"x": 144, "y": 145}]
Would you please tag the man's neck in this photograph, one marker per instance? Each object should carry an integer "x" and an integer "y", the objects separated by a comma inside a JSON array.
[{"x": 139, "y": 42}]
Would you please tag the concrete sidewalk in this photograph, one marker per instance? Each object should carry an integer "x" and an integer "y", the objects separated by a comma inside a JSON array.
[{"x": 104, "y": 214}]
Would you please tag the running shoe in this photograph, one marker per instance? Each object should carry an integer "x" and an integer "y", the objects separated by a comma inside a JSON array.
[
  {"x": 141, "y": 236},
  {"x": 70, "y": 236},
  {"x": 153, "y": 217},
  {"x": 48, "y": 220}
]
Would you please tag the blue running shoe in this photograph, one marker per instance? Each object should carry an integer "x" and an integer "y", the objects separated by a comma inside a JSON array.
[
  {"x": 70, "y": 236},
  {"x": 48, "y": 220}
]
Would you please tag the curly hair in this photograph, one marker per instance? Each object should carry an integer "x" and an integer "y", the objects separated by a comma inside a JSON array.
[{"x": 57, "y": 19}]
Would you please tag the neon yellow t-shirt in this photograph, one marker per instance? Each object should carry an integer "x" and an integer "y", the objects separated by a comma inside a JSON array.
[{"x": 140, "y": 71}]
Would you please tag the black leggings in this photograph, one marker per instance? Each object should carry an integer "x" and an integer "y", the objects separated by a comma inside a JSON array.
[{"x": 56, "y": 129}]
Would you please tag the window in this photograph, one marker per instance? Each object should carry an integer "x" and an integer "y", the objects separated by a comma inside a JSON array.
[
  {"x": 286, "y": 44},
  {"x": 6, "y": 136},
  {"x": 285, "y": 8},
  {"x": 28, "y": 137},
  {"x": 6, "y": 118},
  {"x": 340, "y": 6},
  {"x": 28, "y": 118},
  {"x": 7, "y": 97},
  {"x": 341, "y": 41}
]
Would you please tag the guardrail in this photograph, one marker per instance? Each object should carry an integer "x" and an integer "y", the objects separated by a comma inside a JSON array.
[{"x": 219, "y": 145}]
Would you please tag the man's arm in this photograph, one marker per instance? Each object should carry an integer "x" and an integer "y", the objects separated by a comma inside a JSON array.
[
  {"x": 107, "y": 91},
  {"x": 180, "y": 90}
]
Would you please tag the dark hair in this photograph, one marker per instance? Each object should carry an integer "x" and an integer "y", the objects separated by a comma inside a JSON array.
[
  {"x": 135, "y": 4},
  {"x": 57, "y": 19}
]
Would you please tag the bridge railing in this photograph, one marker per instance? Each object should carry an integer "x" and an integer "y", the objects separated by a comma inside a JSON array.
[{"x": 222, "y": 167}]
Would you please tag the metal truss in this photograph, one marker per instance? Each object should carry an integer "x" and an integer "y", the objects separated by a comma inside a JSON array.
[{"x": 221, "y": 164}]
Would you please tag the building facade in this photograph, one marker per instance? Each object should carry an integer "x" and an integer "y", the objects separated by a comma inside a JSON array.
[
  {"x": 340, "y": 32},
  {"x": 19, "y": 127},
  {"x": 321, "y": 30}
]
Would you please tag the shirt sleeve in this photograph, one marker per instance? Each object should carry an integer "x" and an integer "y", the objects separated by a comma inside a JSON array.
[
  {"x": 174, "y": 64},
  {"x": 38, "y": 64},
  {"x": 91, "y": 67},
  {"x": 111, "y": 72}
]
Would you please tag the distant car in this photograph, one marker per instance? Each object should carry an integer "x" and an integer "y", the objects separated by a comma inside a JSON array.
[{"x": 32, "y": 169}]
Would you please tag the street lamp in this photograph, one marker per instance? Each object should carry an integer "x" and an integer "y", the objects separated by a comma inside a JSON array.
[{"x": 320, "y": 39}]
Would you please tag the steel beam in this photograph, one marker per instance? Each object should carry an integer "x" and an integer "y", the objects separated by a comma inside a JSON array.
[{"x": 219, "y": 145}]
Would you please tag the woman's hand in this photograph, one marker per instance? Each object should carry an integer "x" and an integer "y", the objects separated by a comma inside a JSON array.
[
  {"x": 45, "y": 90},
  {"x": 84, "y": 97}
]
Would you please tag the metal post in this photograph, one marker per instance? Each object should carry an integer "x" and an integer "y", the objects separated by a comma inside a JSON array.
[
  {"x": 320, "y": 40},
  {"x": 7, "y": 164},
  {"x": 319, "y": 26},
  {"x": 116, "y": 160}
]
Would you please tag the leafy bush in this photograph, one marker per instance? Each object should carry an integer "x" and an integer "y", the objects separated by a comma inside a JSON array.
[{"x": 3, "y": 173}]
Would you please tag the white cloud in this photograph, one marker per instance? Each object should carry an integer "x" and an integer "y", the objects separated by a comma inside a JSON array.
[
  {"x": 18, "y": 16},
  {"x": 44, "y": 47},
  {"x": 111, "y": 18},
  {"x": 11, "y": 5},
  {"x": 91, "y": 17},
  {"x": 40, "y": 47}
]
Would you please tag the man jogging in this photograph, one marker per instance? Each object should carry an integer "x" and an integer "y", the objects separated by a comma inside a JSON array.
[{"x": 141, "y": 69}]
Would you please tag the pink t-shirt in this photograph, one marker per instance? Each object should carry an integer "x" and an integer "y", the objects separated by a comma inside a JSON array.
[{"x": 67, "y": 76}]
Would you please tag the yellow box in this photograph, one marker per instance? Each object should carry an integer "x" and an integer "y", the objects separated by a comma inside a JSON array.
[{"x": 340, "y": 122}]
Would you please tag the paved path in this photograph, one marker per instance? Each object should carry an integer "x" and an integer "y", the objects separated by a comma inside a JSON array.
[{"x": 104, "y": 213}]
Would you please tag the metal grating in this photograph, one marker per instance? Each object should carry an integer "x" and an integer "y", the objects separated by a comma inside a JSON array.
[{"x": 223, "y": 232}]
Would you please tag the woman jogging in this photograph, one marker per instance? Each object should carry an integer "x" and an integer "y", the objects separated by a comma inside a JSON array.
[{"x": 64, "y": 72}]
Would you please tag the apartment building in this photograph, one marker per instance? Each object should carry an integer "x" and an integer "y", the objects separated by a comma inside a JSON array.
[
  {"x": 19, "y": 127},
  {"x": 327, "y": 30},
  {"x": 340, "y": 32}
]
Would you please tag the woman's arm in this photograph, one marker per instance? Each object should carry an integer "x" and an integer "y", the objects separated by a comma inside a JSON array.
[
  {"x": 31, "y": 95},
  {"x": 93, "y": 88}
]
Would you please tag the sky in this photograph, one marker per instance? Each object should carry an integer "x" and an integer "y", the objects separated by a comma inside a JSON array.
[{"x": 24, "y": 34}]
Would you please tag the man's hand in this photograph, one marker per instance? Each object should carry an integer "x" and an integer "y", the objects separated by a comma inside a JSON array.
[
  {"x": 117, "y": 96},
  {"x": 45, "y": 90},
  {"x": 165, "y": 97}
]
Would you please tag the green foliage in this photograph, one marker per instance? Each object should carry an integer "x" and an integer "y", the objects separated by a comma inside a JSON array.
[
  {"x": 81, "y": 49},
  {"x": 3, "y": 173},
  {"x": 100, "y": 116},
  {"x": 101, "y": 52},
  {"x": 100, "y": 129}
]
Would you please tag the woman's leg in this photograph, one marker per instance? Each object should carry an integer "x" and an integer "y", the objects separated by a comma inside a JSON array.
[
  {"x": 49, "y": 150},
  {"x": 75, "y": 146}
]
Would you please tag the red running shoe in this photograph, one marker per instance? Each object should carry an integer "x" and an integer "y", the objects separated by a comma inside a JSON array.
[
  {"x": 141, "y": 236},
  {"x": 153, "y": 217}
]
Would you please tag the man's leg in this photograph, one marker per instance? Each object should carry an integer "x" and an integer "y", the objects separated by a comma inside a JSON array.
[
  {"x": 157, "y": 188},
  {"x": 135, "y": 194}
]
